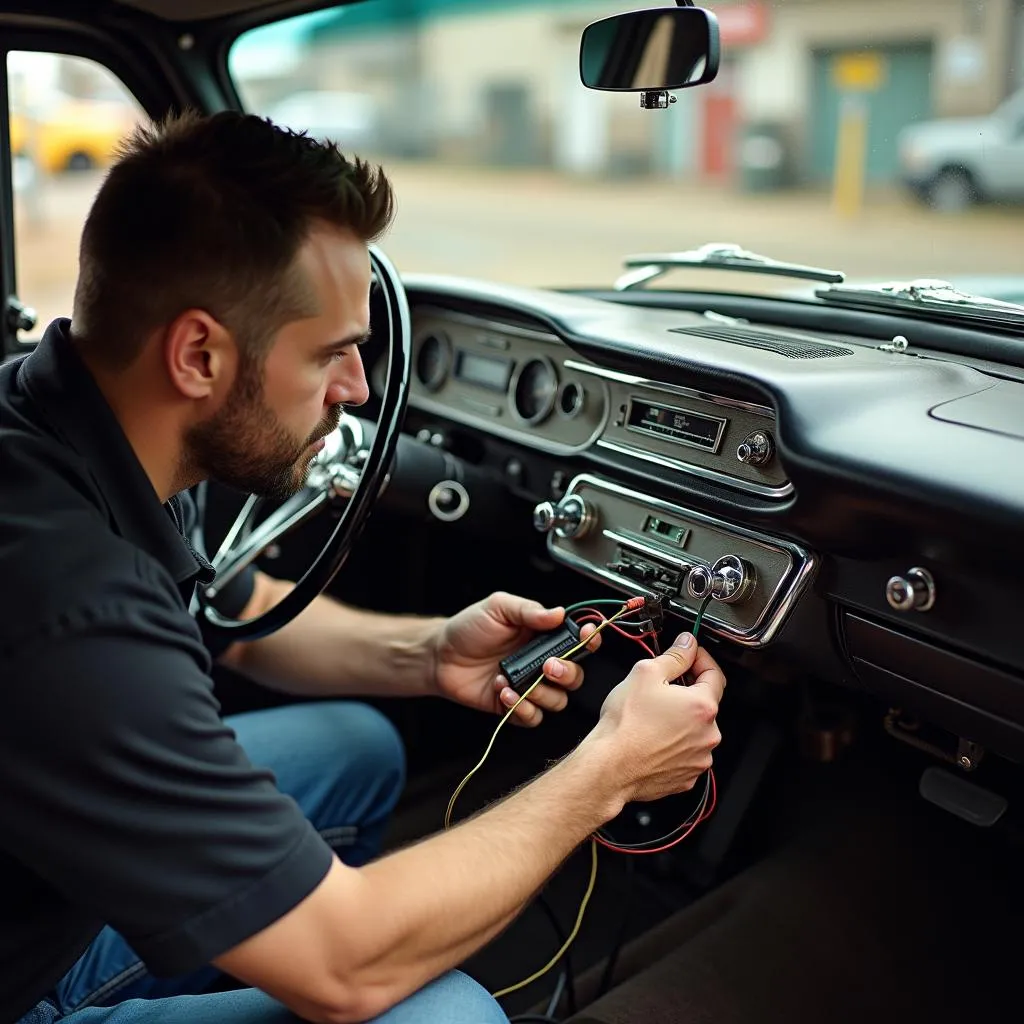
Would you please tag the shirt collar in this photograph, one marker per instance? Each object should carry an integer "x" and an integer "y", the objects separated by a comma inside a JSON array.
[{"x": 62, "y": 386}]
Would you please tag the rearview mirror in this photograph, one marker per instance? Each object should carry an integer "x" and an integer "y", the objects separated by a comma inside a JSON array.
[{"x": 651, "y": 51}]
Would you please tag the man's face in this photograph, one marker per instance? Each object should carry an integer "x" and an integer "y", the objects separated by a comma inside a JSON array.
[{"x": 270, "y": 428}]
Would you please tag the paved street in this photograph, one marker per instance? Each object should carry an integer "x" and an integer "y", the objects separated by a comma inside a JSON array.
[{"x": 538, "y": 228}]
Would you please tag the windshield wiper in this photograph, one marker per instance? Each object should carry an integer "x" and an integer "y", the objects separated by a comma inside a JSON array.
[
  {"x": 716, "y": 256},
  {"x": 936, "y": 298}
]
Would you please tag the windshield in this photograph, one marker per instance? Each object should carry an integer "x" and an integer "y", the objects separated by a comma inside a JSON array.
[{"x": 884, "y": 139}]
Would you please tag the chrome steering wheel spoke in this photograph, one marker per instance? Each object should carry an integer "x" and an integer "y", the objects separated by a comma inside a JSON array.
[{"x": 332, "y": 480}]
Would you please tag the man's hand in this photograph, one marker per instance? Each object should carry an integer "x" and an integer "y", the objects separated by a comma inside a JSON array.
[
  {"x": 471, "y": 643},
  {"x": 656, "y": 736}
]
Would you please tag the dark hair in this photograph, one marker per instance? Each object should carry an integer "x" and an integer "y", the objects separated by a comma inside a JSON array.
[{"x": 210, "y": 213}]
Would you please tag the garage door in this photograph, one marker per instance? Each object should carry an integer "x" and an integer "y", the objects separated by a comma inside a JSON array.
[{"x": 894, "y": 83}]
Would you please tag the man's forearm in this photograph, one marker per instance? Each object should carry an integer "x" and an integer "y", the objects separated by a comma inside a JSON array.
[
  {"x": 435, "y": 903},
  {"x": 331, "y": 649}
]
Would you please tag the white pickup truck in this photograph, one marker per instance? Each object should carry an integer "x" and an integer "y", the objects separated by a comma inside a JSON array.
[{"x": 954, "y": 162}]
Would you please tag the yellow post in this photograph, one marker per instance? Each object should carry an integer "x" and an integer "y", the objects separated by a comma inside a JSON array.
[
  {"x": 855, "y": 75},
  {"x": 851, "y": 157}
]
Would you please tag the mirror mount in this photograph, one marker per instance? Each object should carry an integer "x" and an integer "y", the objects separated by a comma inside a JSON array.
[{"x": 656, "y": 99}]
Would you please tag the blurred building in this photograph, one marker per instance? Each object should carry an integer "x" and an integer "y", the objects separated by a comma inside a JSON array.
[{"x": 496, "y": 81}]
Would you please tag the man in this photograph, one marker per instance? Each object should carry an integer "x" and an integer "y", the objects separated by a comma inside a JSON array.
[{"x": 145, "y": 843}]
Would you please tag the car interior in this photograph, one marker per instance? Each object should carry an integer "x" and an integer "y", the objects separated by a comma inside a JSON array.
[{"x": 824, "y": 473}]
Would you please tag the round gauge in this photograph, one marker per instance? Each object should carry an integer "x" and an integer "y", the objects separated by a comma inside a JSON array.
[
  {"x": 433, "y": 361},
  {"x": 570, "y": 399},
  {"x": 534, "y": 389}
]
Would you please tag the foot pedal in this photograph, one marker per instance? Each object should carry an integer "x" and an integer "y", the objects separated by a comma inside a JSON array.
[{"x": 966, "y": 800}]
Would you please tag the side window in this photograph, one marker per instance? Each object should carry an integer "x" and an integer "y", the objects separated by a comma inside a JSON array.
[{"x": 68, "y": 115}]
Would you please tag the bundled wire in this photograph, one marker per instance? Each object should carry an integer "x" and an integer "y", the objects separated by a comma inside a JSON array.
[
  {"x": 631, "y": 607},
  {"x": 646, "y": 636}
]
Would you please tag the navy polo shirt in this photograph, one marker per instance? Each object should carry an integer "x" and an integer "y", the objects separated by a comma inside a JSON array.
[{"x": 124, "y": 798}]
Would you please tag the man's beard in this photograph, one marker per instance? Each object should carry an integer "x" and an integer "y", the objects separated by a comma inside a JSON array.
[{"x": 245, "y": 446}]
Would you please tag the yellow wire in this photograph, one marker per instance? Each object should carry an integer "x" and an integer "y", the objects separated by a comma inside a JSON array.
[
  {"x": 593, "y": 844},
  {"x": 568, "y": 942},
  {"x": 511, "y": 711}
]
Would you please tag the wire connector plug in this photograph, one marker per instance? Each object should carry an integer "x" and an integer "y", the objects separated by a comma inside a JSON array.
[{"x": 522, "y": 667}]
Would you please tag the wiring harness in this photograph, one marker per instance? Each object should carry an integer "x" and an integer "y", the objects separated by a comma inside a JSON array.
[{"x": 638, "y": 619}]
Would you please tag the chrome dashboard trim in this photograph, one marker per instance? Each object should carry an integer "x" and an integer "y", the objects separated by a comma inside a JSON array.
[
  {"x": 523, "y": 434},
  {"x": 762, "y": 490},
  {"x": 675, "y": 389},
  {"x": 777, "y": 607}
]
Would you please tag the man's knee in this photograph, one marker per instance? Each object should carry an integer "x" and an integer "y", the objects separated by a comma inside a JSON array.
[{"x": 454, "y": 998}]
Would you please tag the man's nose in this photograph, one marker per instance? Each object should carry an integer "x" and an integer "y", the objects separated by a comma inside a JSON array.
[{"x": 350, "y": 386}]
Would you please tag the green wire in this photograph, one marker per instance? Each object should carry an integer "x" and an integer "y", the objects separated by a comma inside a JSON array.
[
  {"x": 590, "y": 604},
  {"x": 700, "y": 615}
]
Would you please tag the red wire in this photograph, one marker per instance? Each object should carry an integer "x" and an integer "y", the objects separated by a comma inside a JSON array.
[
  {"x": 711, "y": 799},
  {"x": 611, "y": 625},
  {"x": 703, "y": 816}
]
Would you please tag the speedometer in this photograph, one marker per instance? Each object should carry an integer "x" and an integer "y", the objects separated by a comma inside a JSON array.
[{"x": 534, "y": 389}]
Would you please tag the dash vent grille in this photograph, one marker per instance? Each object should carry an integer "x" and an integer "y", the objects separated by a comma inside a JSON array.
[{"x": 792, "y": 346}]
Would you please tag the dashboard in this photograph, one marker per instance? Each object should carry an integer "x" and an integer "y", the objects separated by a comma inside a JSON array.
[
  {"x": 527, "y": 385},
  {"x": 836, "y": 500}
]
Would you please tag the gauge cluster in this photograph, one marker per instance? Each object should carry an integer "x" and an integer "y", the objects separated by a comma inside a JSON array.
[
  {"x": 525, "y": 384},
  {"x": 512, "y": 381}
]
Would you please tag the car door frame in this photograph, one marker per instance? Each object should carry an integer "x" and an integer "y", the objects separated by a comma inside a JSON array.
[{"x": 163, "y": 68}]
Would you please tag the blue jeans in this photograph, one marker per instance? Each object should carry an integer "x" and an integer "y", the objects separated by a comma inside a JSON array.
[{"x": 344, "y": 765}]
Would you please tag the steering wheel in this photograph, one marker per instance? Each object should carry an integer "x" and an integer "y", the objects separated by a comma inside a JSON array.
[{"x": 346, "y": 472}]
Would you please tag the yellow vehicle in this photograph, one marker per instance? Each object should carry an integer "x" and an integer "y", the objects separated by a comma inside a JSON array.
[{"x": 71, "y": 135}]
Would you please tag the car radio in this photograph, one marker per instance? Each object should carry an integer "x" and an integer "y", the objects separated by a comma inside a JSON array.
[{"x": 644, "y": 545}]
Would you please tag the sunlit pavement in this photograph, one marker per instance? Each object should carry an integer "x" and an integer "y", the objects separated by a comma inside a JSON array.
[{"x": 535, "y": 227}]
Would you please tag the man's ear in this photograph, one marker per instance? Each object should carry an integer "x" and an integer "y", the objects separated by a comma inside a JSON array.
[{"x": 200, "y": 355}]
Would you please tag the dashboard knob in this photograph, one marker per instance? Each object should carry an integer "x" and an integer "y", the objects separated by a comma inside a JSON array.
[
  {"x": 757, "y": 449},
  {"x": 732, "y": 579},
  {"x": 571, "y": 517},
  {"x": 575, "y": 517},
  {"x": 544, "y": 517},
  {"x": 699, "y": 582},
  {"x": 914, "y": 592}
]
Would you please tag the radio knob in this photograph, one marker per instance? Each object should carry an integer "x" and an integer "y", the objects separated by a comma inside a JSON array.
[
  {"x": 757, "y": 449},
  {"x": 571, "y": 517},
  {"x": 732, "y": 579},
  {"x": 914, "y": 592},
  {"x": 699, "y": 582}
]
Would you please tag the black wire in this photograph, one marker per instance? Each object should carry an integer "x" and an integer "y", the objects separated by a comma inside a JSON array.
[
  {"x": 556, "y": 996},
  {"x": 570, "y": 985},
  {"x": 620, "y": 937}
]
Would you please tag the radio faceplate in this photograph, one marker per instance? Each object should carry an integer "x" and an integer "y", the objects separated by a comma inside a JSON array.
[
  {"x": 722, "y": 439},
  {"x": 643, "y": 545}
]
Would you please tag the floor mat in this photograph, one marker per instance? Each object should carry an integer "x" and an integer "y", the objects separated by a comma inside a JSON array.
[{"x": 883, "y": 909}]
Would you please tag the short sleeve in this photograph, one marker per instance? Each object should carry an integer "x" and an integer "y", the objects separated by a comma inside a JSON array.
[{"x": 125, "y": 790}]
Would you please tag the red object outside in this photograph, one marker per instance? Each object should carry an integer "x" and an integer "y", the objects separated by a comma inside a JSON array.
[{"x": 718, "y": 133}]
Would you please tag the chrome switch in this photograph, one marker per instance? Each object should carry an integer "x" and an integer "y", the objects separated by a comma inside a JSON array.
[
  {"x": 914, "y": 592},
  {"x": 571, "y": 517}
]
